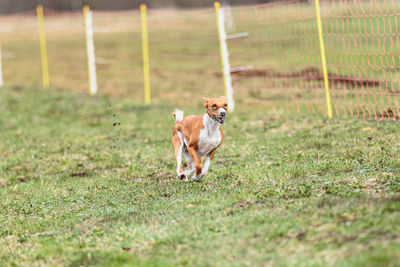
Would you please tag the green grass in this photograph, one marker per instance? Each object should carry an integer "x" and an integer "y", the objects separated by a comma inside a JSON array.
[
  {"x": 91, "y": 181},
  {"x": 76, "y": 190}
]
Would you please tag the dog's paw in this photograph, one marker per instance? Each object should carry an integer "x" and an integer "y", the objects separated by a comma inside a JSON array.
[
  {"x": 182, "y": 176},
  {"x": 197, "y": 178}
]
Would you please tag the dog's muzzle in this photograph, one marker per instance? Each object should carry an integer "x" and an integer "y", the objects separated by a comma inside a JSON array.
[{"x": 220, "y": 119}]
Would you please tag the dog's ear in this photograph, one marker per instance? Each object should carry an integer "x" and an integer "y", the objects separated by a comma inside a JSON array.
[{"x": 205, "y": 102}]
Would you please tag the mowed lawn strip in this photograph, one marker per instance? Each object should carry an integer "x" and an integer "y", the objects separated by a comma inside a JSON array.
[{"x": 91, "y": 180}]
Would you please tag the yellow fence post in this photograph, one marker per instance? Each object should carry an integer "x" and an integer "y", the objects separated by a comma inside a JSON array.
[
  {"x": 217, "y": 6},
  {"x": 145, "y": 54},
  {"x": 223, "y": 50},
  {"x": 43, "y": 48},
  {"x": 323, "y": 59},
  {"x": 91, "y": 58}
]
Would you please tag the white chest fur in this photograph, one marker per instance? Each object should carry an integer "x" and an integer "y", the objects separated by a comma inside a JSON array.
[{"x": 210, "y": 136}]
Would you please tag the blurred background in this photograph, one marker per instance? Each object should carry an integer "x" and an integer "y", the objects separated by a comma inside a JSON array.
[
  {"x": 276, "y": 64},
  {"x": 11, "y": 6}
]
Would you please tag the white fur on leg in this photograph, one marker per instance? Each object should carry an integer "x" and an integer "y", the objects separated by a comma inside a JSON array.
[
  {"x": 188, "y": 158},
  {"x": 188, "y": 172},
  {"x": 179, "y": 160},
  {"x": 190, "y": 163},
  {"x": 179, "y": 156},
  {"x": 206, "y": 165}
]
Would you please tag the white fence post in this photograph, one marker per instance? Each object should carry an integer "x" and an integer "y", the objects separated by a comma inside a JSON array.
[
  {"x": 90, "y": 50},
  {"x": 224, "y": 55}
]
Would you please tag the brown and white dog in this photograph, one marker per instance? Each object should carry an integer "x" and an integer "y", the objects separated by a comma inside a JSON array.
[{"x": 198, "y": 136}]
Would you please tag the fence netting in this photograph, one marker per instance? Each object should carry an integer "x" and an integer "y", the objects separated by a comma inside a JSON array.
[
  {"x": 362, "y": 52},
  {"x": 363, "y": 57}
]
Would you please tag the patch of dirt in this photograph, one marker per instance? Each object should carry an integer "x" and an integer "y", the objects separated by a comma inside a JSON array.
[
  {"x": 300, "y": 236},
  {"x": 165, "y": 195},
  {"x": 247, "y": 203},
  {"x": 79, "y": 174},
  {"x": 26, "y": 179},
  {"x": 3, "y": 183},
  {"x": 17, "y": 88},
  {"x": 389, "y": 113},
  {"x": 308, "y": 74},
  {"x": 395, "y": 198},
  {"x": 346, "y": 239},
  {"x": 160, "y": 177}
]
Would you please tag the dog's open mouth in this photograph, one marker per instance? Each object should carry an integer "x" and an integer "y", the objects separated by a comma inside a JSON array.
[{"x": 220, "y": 119}]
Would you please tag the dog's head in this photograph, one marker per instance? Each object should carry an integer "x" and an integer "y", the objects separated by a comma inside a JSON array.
[{"x": 216, "y": 108}]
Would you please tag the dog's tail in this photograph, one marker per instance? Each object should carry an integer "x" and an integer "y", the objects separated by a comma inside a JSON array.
[{"x": 178, "y": 115}]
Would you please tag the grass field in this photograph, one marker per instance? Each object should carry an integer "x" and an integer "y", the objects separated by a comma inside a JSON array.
[
  {"x": 91, "y": 180},
  {"x": 76, "y": 190}
]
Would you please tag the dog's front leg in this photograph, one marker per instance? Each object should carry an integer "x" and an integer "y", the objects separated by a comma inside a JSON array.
[
  {"x": 197, "y": 163},
  {"x": 207, "y": 162}
]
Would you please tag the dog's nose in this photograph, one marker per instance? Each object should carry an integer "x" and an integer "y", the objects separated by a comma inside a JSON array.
[{"x": 222, "y": 113}]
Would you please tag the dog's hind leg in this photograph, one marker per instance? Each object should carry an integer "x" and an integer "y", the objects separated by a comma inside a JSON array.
[
  {"x": 178, "y": 146},
  {"x": 190, "y": 164},
  {"x": 197, "y": 163}
]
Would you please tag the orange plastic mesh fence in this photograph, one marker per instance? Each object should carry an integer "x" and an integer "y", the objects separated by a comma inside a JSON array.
[{"x": 361, "y": 46}]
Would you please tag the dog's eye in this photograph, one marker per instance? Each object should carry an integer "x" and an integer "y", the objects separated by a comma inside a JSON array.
[
  {"x": 226, "y": 105},
  {"x": 214, "y": 106}
]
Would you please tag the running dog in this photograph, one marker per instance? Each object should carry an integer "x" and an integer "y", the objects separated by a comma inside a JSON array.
[{"x": 198, "y": 136}]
